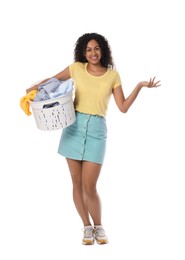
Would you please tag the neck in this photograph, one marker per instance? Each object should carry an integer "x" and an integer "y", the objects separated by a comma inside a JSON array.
[{"x": 96, "y": 69}]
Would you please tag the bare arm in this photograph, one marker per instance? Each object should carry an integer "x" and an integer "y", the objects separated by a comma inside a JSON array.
[
  {"x": 63, "y": 75},
  {"x": 125, "y": 103}
]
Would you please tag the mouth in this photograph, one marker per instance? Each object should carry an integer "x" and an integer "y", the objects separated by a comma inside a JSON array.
[{"x": 94, "y": 57}]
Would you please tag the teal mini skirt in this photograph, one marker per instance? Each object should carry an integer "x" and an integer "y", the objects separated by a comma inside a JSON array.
[{"x": 85, "y": 139}]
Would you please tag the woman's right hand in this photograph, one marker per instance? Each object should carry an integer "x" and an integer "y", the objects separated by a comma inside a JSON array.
[{"x": 35, "y": 87}]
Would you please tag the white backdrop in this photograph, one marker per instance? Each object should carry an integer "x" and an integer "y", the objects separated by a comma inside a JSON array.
[{"x": 142, "y": 180}]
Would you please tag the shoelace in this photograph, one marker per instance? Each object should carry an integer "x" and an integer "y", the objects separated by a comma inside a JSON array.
[
  {"x": 99, "y": 232},
  {"x": 88, "y": 232}
]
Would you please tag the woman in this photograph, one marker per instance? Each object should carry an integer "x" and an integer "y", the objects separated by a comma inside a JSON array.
[{"x": 84, "y": 142}]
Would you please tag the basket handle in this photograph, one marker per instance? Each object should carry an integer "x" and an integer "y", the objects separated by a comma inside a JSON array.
[{"x": 54, "y": 104}]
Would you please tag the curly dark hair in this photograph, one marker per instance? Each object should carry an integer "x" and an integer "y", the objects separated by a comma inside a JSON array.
[{"x": 81, "y": 44}]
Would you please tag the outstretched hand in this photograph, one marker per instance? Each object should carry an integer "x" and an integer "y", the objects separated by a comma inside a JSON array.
[{"x": 151, "y": 83}]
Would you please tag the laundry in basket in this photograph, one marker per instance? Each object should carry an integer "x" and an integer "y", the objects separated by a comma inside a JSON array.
[{"x": 53, "y": 106}]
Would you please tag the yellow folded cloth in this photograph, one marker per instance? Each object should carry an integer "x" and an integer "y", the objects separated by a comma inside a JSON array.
[{"x": 25, "y": 101}]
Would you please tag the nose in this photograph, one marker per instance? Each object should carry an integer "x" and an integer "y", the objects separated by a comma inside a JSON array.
[{"x": 94, "y": 51}]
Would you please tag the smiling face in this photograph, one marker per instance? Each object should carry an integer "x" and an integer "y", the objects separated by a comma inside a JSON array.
[{"x": 93, "y": 52}]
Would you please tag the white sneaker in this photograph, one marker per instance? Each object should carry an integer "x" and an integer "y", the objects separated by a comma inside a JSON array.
[
  {"x": 88, "y": 238},
  {"x": 100, "y": 236}
]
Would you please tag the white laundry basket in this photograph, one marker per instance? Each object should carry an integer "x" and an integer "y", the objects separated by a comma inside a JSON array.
[{"x": 53, "y": 114}]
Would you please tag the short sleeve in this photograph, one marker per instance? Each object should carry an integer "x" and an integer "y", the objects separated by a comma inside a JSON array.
[{"x": 117, "y": 81}]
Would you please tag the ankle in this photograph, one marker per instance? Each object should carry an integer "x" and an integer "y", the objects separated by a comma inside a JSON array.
[
  {"x": 87, "y": 224},
  {"x": 99, "y": 225}
]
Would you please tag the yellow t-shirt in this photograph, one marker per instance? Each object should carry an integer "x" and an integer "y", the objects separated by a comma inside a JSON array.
[{"x": 92, "y": 93}]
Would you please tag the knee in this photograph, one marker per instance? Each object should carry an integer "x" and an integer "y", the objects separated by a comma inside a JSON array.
[
  {"x": 89, "y": 191},
  {"x": 77, "y": 181}
]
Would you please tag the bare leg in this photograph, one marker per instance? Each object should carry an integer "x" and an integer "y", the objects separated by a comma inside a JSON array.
[
  {"x": 90, "y": 174},
  {"x": 75, "y": 168},
  {"x": 84, "y": 176}
]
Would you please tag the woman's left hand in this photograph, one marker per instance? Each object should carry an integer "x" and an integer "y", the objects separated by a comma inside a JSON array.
[{"x": 151, "y": 83}]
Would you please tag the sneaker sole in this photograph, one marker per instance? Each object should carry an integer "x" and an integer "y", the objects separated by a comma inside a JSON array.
[
  {"x": 101, "y": 242},
  {"x": 88, "y": 242}
]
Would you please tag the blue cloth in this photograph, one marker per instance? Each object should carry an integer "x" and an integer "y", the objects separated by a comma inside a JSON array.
[
  {"x": 53, "y": 88},
  {"x": 85, "y": 139}
]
